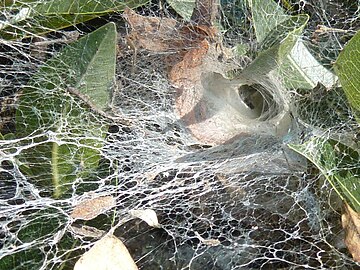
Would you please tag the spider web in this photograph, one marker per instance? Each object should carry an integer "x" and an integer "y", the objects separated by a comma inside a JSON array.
[{"x": 227, "y": 190}]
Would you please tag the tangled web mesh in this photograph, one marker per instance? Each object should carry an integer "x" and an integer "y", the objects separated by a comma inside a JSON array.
[{"x": 243, "y": 202}]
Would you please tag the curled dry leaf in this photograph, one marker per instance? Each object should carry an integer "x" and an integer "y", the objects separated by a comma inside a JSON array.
[
  {"x": 147, "y": 215},
  {"x": 164, "y": 34},
  {"x": 91, "y": 208},
  {"x": 209, "y": 242},
  {"x": 150, "y": 33},
  {"x": 194, "y": 69},
  {"x": 186, "y": 73},
  {"x": 351, "y": 224},
  {"x": 87, "y": 231},
  {"x": 107, "y": 253},
  {"x": 204, "y": 95}
]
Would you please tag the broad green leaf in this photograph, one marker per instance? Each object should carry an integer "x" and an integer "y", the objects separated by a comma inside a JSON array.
[
  {"x": 183, "y": 7},
  {"x": 39, "y": 225},
  {"x": 347, "y": 67},
  {"x": 76, "y": 7},
  {"x": 298, "y": 68},
  {"x": 338, "y": 163},
  {"x": 285, "y": 33},
  {"x": 21, "y": 257},
  {"x": 63, "y": 134},
  {"x": 276, "y": 46},
  {"x": 26, "y": 18},
  {"x": 266, "y": 15}
]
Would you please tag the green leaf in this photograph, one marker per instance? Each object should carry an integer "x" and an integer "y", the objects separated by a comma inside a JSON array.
[
  {"x": 338, "y": 163},
  {"x": 240, "y": 49},
  {"x": 62, "y": 134},
  {"x": 26, "y": 18},
  {"x": 300, "y": 70},
  {"x": 276, "y": 46},
  {"x": 183, "y": 7},
  {"x": 266, "y": 15},
  {"x": 40, "y": 224},
  {"x": 297, "y": 67},
  {"x": 8, "y": 136},
  {"x": 77, "y": 7},
  {"x": 23, "y": 257},
  {"x": 347, "y": 67},
  {"x": 285, "y": 33}
]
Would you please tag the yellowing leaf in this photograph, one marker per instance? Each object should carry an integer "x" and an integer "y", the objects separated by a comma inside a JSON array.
[{"x": 109, "y": 253}]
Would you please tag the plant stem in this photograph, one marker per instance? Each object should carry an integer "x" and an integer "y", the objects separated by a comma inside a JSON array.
[
  {"x": 68, "y": 255},
  {"x": 55, "y": 169}
]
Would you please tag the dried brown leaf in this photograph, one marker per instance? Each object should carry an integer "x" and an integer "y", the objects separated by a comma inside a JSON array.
[
  {"x": 351, "y": 224},
  {"x": 199, "y": 82},
  {"x": 195, "y": 53},
  {"x": 91, "y": 208},
  {"x": 164, "y": 34},
  {"x": 209, "y": 242},
  {"x": 187, "y": 72},
  {"x": 87, "y": 231},
  {"x": 205, "y": 12},
  {"x": 150, "y": 33}
]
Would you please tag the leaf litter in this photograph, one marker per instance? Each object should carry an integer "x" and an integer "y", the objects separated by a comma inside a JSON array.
[
  {"x": 351, "y": 224},
  {"x": 91, "y": 208}
]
